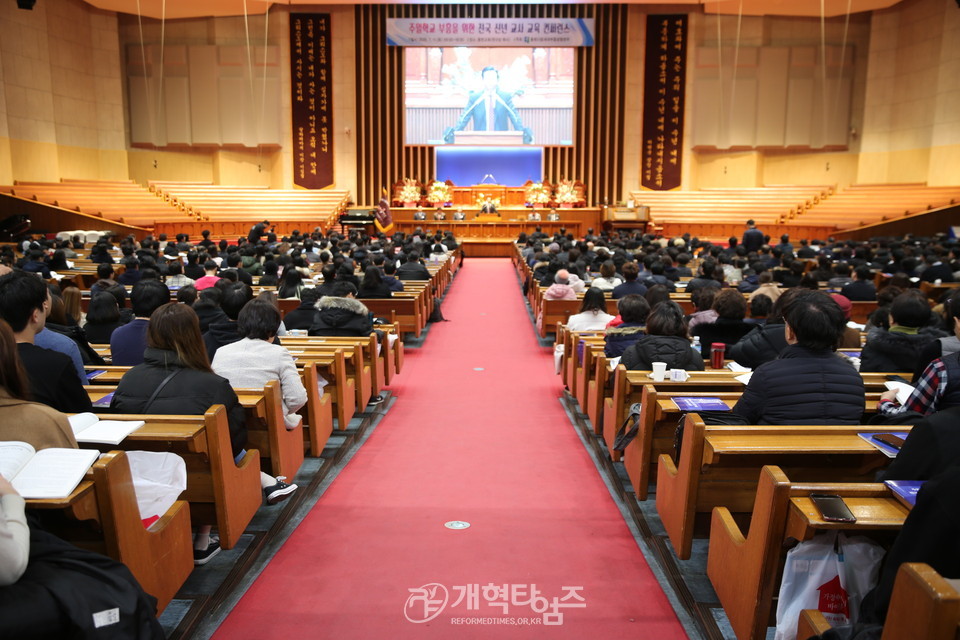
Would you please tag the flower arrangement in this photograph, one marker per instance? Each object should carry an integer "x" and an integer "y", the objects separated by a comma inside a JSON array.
[
  {"x": 410, "y": 191},
  {"x": 567, "y": 192},
  {"x": 538, "y": 193},
  {"x": 439, "y": 192}
]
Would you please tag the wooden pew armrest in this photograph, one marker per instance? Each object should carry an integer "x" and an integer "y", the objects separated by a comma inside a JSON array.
[{"x": 811, "y": 623}]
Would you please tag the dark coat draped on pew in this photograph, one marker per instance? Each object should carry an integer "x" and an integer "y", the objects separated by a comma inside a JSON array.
[{"x": 803, "y": 386}]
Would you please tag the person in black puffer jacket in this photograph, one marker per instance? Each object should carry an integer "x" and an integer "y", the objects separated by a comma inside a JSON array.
[
  {"x": 235, "y": 296},
  {"x": 305, "y": 315},
  {"x": 765, "y": 343},
  {"x": 341, "y": 314},
  {"x": 808, "y": 383},
  {"x": 666, "y": 341},
  {"x": 899, "y": 348},
  {"x": 729, "y": 327}
]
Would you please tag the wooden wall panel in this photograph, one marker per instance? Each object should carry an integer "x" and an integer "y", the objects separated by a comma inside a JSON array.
[{"x": 596, "y": 156}]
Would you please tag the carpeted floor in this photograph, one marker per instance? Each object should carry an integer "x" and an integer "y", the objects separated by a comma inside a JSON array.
[{"x": 477, "y": 434}]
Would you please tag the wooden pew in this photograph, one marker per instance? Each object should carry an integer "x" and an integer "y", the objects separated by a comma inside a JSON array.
[
  {"x": 267, "y": 431},
  {"x": 219, "y": 490},
  {"x": 923, "y": 605},
  {"x": 718, "y": 466},
  {"x": 744, "y": 569},
  {"x": 659, "y": 415},
  {"x": 161, "y": 556}
]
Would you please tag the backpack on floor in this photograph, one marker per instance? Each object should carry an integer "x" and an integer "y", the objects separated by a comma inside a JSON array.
[{"x": 436, "y": 315}]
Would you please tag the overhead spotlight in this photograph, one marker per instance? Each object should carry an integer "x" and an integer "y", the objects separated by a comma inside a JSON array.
[{"x": 26, "y": 4}]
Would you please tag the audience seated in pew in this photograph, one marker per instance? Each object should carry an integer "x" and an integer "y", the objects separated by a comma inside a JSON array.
[
  {"x": 630, "y": 285},
  {"x": 628, "y": 327},
  {"x": 373, "y": 285},
  {"x": 127, "y": 343},
  {"x": 303, "y": 317},
  {"x": 932, "y": 447},
  {"x": 103, "y": 318},
  {"x": 254, "y": 360},
  {"x": 207, "y": 308},
  {"x": 808, "y": 383},
  {"x": 766, "y": 342},
  {"x": 665, "y": 341},
  {"x": 48, "y": 588},
  {"x": 760, "y": 308},
  {"x": 24, "y": 303},
  {"x": 176, "y": 378},
  {"x": 341, "y": 314},
  {"x": 20, "y": 419},
  {"x": 608, "y": 279},
  {"x": 702, "y": 300},
  {"x": 592, "y": 315},
  {"x": 899, "y": 348},
  {"x": 561, "y": 288},
  {"x": 729, "y": 327},
  {"x": 929, "y": 534},
  {"x": 950, "y": 309},
  {"x": 767, "y": 288},
  {"x": 938, "y": 387},
  {"x": 235, "y": 296}
]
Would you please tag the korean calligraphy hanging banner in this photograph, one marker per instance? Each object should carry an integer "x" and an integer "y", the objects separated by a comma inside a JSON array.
[
  {"x": 312, "y": 99},
  {"x": 663, "y": 101},
  {"x": 490, "y": 32}
]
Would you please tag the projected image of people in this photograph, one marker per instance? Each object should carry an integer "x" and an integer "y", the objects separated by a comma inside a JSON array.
[
  {"x": 489, "y": 96},
  {"x": 490, "y": 109}
]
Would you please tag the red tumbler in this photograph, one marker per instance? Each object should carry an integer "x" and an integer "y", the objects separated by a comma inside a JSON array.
[{"x": 717, "y": 352}]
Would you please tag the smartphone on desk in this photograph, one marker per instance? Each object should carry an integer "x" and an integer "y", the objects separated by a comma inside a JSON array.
[
  {"x": 890, "y": 440},
  {"x": 833, "y": 508}
]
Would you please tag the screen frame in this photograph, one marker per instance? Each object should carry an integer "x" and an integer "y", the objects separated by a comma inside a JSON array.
[{"x": 573, "y": 107}]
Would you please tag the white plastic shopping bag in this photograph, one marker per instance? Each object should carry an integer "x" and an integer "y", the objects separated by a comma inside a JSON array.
[
  {"x": 158, "y": 480},
  {"x": 831, "y": 573},
  {"x": 557, "y": 356}
]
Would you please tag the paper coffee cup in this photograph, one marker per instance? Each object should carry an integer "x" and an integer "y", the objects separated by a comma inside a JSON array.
[{"x": 659, "y": 371}]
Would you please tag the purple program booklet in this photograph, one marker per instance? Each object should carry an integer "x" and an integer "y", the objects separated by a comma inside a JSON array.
[
  {"x": 905, "y": 490},
  {"x": 700, "y": 404},
  {"x": 105, "y": 400}
]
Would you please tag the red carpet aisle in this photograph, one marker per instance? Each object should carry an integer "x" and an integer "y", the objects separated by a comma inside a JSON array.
[{"x": 477, "y": 434}]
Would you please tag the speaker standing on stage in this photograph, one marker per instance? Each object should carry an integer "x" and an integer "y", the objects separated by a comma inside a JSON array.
[{"x": 490, "y": 109}]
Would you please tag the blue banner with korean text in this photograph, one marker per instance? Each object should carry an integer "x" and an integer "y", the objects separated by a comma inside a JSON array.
[
  {"x": 490, "y": 32},
  {"x": 312, "y": 100},
  {"x": 664, "y": 79}
]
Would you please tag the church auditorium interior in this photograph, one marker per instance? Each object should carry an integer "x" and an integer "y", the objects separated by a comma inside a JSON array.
[{"x": 386, "y": 319}]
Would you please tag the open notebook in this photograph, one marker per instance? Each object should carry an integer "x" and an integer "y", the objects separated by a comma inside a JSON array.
[
  {"x": 87, "y": 427},
  {"x": 48, "y": 473}
]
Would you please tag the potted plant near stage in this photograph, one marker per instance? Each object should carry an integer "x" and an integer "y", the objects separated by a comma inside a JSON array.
[
  {"x": 538, "y": 194},
  {"x": 567, "y": 194},
  {"x": 409, "y": 193},
  {"x": 440, "y": 194}
]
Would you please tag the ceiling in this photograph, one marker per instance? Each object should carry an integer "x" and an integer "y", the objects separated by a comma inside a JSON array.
[{"x": 173, "y": 9}]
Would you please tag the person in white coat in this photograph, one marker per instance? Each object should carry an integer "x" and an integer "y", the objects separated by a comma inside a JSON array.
[{"x": 254, "y": 360}]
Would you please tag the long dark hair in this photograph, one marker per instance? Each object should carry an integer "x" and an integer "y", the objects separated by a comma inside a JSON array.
[
  {"x": 593, "y": 300},
  {"x": 12, "y": 376},
  {"x": 176, "y": 327}
]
